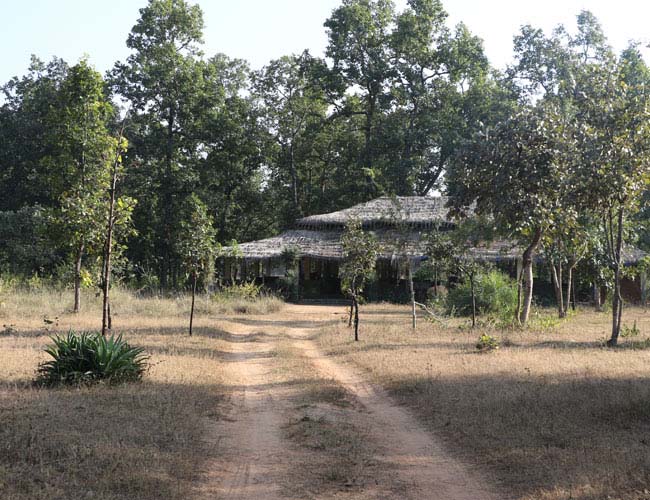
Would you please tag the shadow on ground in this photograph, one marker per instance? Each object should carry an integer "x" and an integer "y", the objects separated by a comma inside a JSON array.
[{"x": 588, "y": 438}]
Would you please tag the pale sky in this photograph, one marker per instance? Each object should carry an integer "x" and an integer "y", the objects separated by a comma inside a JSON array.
[{"x": 261, "y": 30}]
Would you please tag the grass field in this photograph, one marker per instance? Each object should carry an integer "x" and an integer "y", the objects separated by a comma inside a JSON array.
[
  {"x": 551, "y": 414},
  {"x": 135, "y": 441}
]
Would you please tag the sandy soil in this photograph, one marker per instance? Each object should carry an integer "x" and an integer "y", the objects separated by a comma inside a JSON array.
[{"x": 257, "y": 462}]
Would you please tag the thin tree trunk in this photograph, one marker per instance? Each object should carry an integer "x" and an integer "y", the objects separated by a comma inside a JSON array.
[
  {"x": 473, "y": 291},
  {"x": 356, "y": 318},
  {"x": 596, "y": 297},
  {"x": 617, "y": 301},
  {"x": 193, "y": 296},
  {"x": 520, "y": 277},
  {"x": 527, "y": 271},
  {"x": 412, "y": 291},
  {"x": 77, "y": 278},
  {"x": 573, "y": 293},
  {"x": 107, "y": 322},
  {"x": 294, "y": 180},
  {"x": 556, "y": 275},
  {"x": 569, "y": 288}
]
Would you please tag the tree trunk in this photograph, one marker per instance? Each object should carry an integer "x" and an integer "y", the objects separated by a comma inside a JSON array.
[
  {"x": 520, "y": 277},
  {"x": 556, "y": 274},
  {"x": 356, "y": 318},
  {"x": 412, "y": 292},
  {"x": 193, "y": 296},
  {"x": 527, "y": 272},
  {"x": 294, "y": 180},
  {"x": 473, "y": 291},
  {"x": 569, "y": 289},
  {"x": 77, "y": 278},
  {"x": 368, "y": 152},
  {"x": 596, "y": 297},
  {"x": 108, "y": 245},
  {"x": 573, "y": 293},
  {"x": 617, "y": 300}
]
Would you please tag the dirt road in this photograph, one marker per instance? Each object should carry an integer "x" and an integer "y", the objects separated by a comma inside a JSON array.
[{"x": 282, "y": 420}]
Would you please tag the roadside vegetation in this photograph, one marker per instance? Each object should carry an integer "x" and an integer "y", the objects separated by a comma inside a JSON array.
[
  {"x": 136, "y": 440},
  {"x": 551, "y": 414}
]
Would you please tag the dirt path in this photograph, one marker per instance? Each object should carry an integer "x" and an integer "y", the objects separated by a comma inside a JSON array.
[
  {"x": 250, "y": 436},
  {"x": 258, "y": 462}
]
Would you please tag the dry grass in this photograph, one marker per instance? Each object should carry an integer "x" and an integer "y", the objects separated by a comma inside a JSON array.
[
  {"x": 134, "y": 441},
  {"x": 550, "y": 415}
]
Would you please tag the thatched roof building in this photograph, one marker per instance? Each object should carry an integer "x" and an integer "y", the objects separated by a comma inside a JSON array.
[
  {"x": 317, "y": 241},
  {"x": 319, "y": 236}
]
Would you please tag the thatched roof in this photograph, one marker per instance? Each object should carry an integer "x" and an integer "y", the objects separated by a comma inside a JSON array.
[
  {"x": 326, "y": 245},
  {"x": 422, "y": 211},
  {"x": 319, "y": 236}
]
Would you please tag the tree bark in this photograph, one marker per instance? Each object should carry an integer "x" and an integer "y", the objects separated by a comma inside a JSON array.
[
  {"x": 107, "y": 322},
  {"x": 356, "y": 318},
  {"x": 596, "y": 297},
  {"x": 294, "y": 180},
  {"x": 520, "y": 277},
  {"x": 569, "y": 289},
  {"x": 412, "y": 292},
  {"x": 473, "y": 291},
  {"x": 556, "y": 274},
  {"x": 527, "y": 272},
  {"x": 77, "y": 277},
  {"x": 193, "y": 296},
  {"x": 617, "y": 300}
]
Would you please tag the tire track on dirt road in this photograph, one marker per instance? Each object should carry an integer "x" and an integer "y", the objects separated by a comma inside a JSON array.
[{"x": 257, "y": 461}]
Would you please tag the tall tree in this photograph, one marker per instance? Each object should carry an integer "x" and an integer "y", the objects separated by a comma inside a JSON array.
[
  {"x": 436, "y": 73},
  {"x": 164, "y": 81},
  {"x": 617, "y": 154},
  {"x": 27, "y": 136},
  {"x": 359, "y": 46},
  {"x": 81, "y": 162},
  {"x": 602, "y": 103},
  {"x": 511, "y": 174},
  {"x": 293, "y": 111}
]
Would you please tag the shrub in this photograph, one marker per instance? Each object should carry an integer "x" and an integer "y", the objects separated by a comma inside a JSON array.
[
  {"x": 487, "y": 343},
  {"x": 83, "y": 358},
  {"x": 495, "y": 293},
  {"x": 239, "y": 291}
]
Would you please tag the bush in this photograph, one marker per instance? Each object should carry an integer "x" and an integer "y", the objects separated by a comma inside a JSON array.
[
  {"x": 239, "y": 291},
  {"x": 84, "y": 358},
  {"x": 487, "y": 343},
  {"x": 495, "y": 293}
]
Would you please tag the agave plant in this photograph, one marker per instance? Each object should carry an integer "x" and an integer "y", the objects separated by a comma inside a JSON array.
[{"x": 81, "y": 358}]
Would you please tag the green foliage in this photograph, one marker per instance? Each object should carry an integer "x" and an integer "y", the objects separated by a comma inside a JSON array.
[
  {"x": 243, "y": 291},
  {"x": 487, "y": 343},
  {"x": 85, "y": 358},
  {"x": 196, "y": 239},
  {"x": 496, "y": 294},
  {"x": 632, "y": 331},
  {"x": 360, "y": 251}
]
